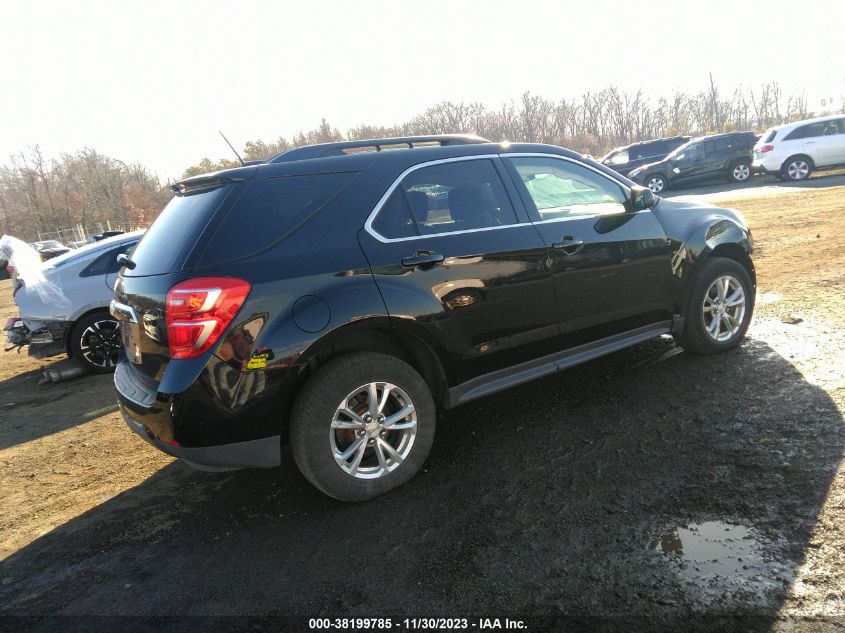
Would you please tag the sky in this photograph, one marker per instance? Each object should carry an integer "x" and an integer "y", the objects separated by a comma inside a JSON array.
[{"x": 153, "y": 82}]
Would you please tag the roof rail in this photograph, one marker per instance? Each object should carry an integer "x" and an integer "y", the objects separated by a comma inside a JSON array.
[{"x": 353, "y": 147}]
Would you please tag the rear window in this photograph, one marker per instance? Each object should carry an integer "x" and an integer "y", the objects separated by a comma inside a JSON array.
[
  {"x": 168, "y": 241},
  {"x": 268, "y": 210},
  {"x": 770, "y": 136}
]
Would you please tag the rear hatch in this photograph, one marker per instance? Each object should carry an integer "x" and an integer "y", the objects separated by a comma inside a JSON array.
[{"x": 161, "y": 260}]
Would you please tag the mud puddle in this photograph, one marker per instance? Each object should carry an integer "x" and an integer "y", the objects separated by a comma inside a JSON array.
[{"x": 709, "y": 553}]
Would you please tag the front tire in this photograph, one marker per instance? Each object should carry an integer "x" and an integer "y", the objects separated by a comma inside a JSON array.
[
  {"x": 362, "y": 425},
  {"x": 719, "y": 309},
  {"x": 656, "y": 182},
  {"x": 740, "y": 172},
  {"x": 95, "y": 342}
]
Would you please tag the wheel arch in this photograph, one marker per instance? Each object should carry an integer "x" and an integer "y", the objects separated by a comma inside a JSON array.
[
  {"x": 720, "y": 238},
  {"x": 806, "y": 157},
  {"x": 381, "y": 337},
  {"x": 75, "y": 322}
]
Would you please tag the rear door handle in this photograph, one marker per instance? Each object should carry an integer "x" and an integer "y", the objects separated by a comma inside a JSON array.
[
  {"x": 423, "y": 259},
  {"x": 569, "y": 245}
]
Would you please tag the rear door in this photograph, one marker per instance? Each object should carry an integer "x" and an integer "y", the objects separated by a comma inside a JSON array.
[
  {"x": 830, "y": 145},
  {"x": 459, "y": 265},
  {"x": 611, "y": 266},
  {"x": 689, "y": 165}
]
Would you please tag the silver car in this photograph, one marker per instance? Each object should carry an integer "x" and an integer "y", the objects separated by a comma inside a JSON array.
[{"x": 74, "y": 317}]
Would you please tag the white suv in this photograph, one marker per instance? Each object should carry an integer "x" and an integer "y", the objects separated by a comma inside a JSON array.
[{"x": 793, "y": 150}]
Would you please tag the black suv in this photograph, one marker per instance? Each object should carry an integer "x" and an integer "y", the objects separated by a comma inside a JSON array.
[
  {"x": 338, "y": 296},
  {"x": 704, "y": 158},
  {"x": 628, "y": 158}
]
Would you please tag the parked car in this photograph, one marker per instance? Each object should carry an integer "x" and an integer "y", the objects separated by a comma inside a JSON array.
[
  {"x": 337, "y": 296},
  {"x": 101, "y": 236},
  {"x": 625, "y": 159},
  {"x": 794, "y": 150},
  {"x": 705, "y": 158},
  {"x": 83, "y": 328},
  {"x": 48, "y": 249}
]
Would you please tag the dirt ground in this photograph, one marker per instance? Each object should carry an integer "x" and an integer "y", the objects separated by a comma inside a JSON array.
[{"x": 651, "y": 483}]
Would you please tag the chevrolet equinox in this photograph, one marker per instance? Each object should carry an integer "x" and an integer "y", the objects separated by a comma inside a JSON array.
[{"x": 336, "y": 295}]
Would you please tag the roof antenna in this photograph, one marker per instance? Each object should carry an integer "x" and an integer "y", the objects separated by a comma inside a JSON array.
[{"x": 240, "y": 160}]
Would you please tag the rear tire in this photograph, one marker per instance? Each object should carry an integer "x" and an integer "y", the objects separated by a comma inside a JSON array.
[
  {"x": 797, "y": 168},
  {"x": 336, "y": 414},
  {"x": 95, "y": 342},
  {"x": 719, "y": 309}
]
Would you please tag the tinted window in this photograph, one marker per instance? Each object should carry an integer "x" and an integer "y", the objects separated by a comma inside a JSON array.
[
  {"x": 719, "y": 144},
  {"x": 619, "y": 158},
  {"x": 267, "y": 210},
  {"x": 107, "y": 262},
  {"x": 455, "y": 196},
  {"x": 832, "y": 128},
  {"x": 658, "y": 148},
  {"x": 171, "y": 237},
  {"x": 770, "y": 136},
  {"x": 561, "y": 189},
  {"x": 805, "y": 131}
]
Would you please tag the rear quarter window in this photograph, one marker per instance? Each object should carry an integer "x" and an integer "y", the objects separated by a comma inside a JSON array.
[
  {"x": 268, "y": 210},
  {"x": 174, "y": 233}
]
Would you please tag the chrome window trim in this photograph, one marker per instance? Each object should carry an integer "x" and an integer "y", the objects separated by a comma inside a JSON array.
[
  {"x": 585, "y": 216},
  {"x": 368, "y": 225}
]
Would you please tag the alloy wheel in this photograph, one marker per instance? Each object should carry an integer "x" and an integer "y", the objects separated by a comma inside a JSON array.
[
  {"x": 100, "y": 343},
  {"x": 373, "y": 430},
  {"x": 741, "y": 172},
  {"x": 798, "y": 170},
  {"x": 656, "y": 184},
  {"x": 724, "y": 308}
]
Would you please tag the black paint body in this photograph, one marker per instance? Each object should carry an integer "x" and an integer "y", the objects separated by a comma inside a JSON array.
[
  {"x": 500, "y": 300},
  {"x": 702, "y": 159}
]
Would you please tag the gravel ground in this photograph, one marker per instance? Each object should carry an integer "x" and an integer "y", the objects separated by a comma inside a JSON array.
[{"x": 643, "y": 488}]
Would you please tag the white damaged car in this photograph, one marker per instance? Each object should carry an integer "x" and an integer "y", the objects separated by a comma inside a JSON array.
[{"x": 64, "y": 304}]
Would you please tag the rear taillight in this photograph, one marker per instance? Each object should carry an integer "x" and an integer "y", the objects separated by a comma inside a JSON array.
[
  {"x": 198, "y": 310},
  {"x": 766, "y": 148},
  {"x": 10, "y": 269}
]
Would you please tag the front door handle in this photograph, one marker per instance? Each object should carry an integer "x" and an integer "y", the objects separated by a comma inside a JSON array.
[
  {"x": 423, "y": 259},
  {"x": 569, "y": 245}
]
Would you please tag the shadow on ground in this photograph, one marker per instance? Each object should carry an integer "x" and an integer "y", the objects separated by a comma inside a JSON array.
[
  {"x": 546, "y": 500},
  {"x": 24, "y": 418}
]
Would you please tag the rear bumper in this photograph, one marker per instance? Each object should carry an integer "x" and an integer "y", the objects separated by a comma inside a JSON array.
[
  {"x": 44, "y": 338},
  {"x": 263, "y": 453},
  {"x": 760, "y": 166},
  {"x": 189, "y": 426}
]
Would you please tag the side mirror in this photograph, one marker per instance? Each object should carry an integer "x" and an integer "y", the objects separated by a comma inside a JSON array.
[
  {"x": 123, "y": 260},
  {"x": 642, "y": 198}
]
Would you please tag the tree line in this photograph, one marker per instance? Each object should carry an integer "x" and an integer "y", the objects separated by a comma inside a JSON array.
[
  {"x": 89, "y": 188},
  {"x": 39, "y": 194}
]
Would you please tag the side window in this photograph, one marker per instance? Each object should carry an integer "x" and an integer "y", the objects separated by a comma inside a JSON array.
[
  {"x": 655, "y": 149},
  {"x": 444, "y": 198},
  {"x": 805, "y": 131},
  {"x": 107, "y": 262},
  {"x": 834, "y": 127},
  {"x": 561, "y": 189},
  {"x": 620, "y": 157},
  {"x": 694, "y": 152}
]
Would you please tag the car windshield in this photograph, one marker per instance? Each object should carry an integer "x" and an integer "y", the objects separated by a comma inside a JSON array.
[{"x": 47, "y": 244}]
